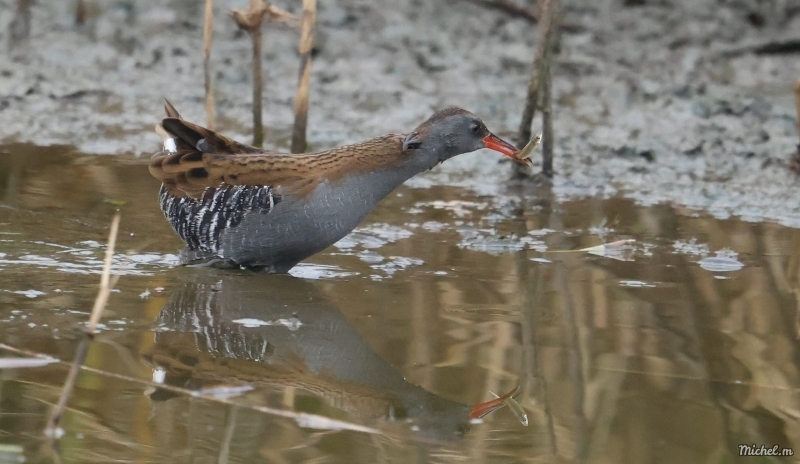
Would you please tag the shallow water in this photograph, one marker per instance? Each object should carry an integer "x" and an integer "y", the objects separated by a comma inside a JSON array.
[{"x": 678, "y": 350}]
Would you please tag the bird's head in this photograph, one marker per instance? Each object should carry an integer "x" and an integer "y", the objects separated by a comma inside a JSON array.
[{"x": 450, "y": 132}]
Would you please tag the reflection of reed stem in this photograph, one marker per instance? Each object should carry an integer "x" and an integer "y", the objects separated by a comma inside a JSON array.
[
  {"x": 208, "y": 31},
  {"x": 225, "y": 449},
  {"x": 575, "y": 361},
  {"x": 301, "y": 99},
  {"x": 106, "y": 284}
]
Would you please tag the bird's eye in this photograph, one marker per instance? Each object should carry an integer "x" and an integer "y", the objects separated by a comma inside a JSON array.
[{"x": 474, "y": 127}]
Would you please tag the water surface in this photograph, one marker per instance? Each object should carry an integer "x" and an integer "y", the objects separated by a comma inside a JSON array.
[{"x": 676, "y": 351}]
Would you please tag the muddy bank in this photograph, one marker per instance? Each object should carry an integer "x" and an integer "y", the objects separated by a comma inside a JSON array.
[{"x": 661, "y": 102}]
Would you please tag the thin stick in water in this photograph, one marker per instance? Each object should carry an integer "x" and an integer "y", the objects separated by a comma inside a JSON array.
[
  {"x": 105, "y": 278},
  {"x": 309, "y": 20},
  {"x": 106, "y": 284},
  {"x": 208, "y": 32}
]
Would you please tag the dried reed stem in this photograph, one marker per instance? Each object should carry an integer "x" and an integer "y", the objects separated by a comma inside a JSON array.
[
  {"x": 251, "y": 20},
  {"x": 20, "y": 26},
  {"x": 797, "y": 104},
  {"x": 794, "y": 160},
  {"x": 105, "y": 278},
  {"x": 258, "y": 90},
  {"x": 547, "y": 117},
  {"x": 539, "y": 85},
  {"x": 106, "y": 284},
  {"x": 301, "y": 99},
  {"x": 80, "y": 13},
  {"x": 208, "y": 32}
]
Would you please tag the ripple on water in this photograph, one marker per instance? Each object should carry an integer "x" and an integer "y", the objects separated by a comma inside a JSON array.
[
  {"x": 720, "y": 263},
  {"x": 312, "y": 271},
  {"x": 372, "y": 237},
  {"x": 84, "y": 259}
]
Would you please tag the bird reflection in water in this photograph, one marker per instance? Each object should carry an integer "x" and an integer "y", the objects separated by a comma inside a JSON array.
[{"x": 280, "y": 331}]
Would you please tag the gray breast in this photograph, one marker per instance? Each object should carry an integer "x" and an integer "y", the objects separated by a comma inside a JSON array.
[{"x": 298, "y": 228}]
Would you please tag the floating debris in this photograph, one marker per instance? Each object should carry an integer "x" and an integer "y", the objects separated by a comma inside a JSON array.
[
  {"x": 635, "y": 283},
  {"x": 621, "y": 250},
  {"x": 224, "y": 391},
  {"x": 292, "y": 323},
  {"x": 15, "y": 363}
]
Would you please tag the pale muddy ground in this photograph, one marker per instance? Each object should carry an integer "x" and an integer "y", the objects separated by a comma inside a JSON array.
[{"x": 660, "y": 102}]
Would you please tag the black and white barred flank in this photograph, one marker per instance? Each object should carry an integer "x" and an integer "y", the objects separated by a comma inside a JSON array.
[{"x": 200, "y": 222}]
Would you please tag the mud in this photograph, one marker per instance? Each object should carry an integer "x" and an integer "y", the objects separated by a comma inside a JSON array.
[{"x": 687, "y": 102}]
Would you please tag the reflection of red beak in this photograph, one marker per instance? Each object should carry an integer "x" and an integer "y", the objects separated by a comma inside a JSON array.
[
  {"x": 493, "y": 142},
  {"x": 482, "y": 409}
]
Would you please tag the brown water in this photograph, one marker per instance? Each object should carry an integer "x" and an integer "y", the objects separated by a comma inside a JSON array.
[{"x": 440, "y": 298}]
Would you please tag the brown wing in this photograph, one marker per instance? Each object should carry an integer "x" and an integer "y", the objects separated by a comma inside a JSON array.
[
  {"x": 186, "y": 168},
  {"x": 202, "y": 159}
]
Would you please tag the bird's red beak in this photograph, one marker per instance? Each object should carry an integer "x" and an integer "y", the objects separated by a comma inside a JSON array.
[{"x": 493, "y": 142}]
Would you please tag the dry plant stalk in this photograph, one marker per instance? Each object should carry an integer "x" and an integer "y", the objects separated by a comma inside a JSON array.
[
  {"x": 301, "y": 99},
  {"x": 797, "y": 106},
  {"x": 80, "y": 13},
  {"x": 20, "y": 26},
  {"x": 547, "y": 106},
  {"x": 794, "y": 160},
  {"x": 106, "y": 285},
  {"x": 250, "y": 20},
  {"x": 540, "y": 86},
  {"x": 208, "y": 32}
]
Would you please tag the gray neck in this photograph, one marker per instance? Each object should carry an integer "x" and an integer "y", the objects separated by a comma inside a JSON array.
[{"x": 374, "y": 186}]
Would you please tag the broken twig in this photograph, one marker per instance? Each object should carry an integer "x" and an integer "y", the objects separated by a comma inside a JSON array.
[{"x": 301, "y": 99}]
